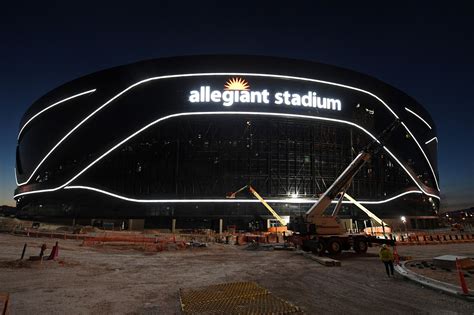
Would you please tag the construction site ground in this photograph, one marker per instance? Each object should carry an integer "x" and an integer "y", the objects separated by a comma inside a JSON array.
[
  {"x": 122, "y": 280},
  {"x": 450, "y": 276}
]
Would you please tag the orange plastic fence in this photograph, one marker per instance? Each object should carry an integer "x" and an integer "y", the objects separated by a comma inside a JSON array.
[
  {"x": 430, "y": 239},
  {"x": 410, "y": 238},
  {"x": 149, "y": 243}
]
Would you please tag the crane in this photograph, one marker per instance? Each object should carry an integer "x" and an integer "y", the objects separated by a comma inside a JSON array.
[{"x": 319, "y": 232}]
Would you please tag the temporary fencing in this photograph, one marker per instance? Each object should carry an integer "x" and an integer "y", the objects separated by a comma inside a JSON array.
[
  {"x": 421, "y": 238},
  {"x": 148, "y": 243},
  {"x": 407, "y": 238}
]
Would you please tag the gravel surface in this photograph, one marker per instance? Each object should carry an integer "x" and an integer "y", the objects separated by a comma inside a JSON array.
[
  {"x": 449, "y": 276},
  {"x": 112, "y": 280}
]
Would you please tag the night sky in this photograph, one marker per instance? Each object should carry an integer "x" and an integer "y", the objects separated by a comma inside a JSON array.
[{"x": 422, "y": 48}]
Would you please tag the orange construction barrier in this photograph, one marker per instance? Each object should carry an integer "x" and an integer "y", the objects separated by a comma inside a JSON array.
[
  {"x": 54, "y": 252},
  {"x": 276, "y": 229},
  {"x": 395, "y": 256}
]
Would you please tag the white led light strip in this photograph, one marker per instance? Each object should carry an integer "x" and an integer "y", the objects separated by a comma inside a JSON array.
[
  {"x": 51, "y": 106},
  {"x": 418, "y": 116},
  {"x": 210, "y": 113},
  {"x": 419, "y": 146},
  {"x": 424, "y": 154},
  {"x": 196, "y": 75},
  {"x": 432, "y": 140},
  {"x": 223, "y": 200},
  {"x": 409, "y": 174}
]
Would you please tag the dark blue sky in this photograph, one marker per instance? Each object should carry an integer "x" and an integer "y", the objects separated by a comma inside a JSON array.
[{"x": 422, "y": 48}]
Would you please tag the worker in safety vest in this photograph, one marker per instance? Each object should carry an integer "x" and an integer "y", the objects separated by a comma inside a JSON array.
[{"x": 386, "y": 257}]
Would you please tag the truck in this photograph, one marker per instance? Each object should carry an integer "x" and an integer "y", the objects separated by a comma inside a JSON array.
[{"x": 320, "y": 233}]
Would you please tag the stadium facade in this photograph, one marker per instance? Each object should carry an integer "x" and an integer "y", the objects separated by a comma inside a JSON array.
[{"x": 170, "y": 138}]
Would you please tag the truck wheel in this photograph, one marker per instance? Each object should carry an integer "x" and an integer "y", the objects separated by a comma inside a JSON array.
[
  {"x": 310, "y": 245},
  {"x": 334, "y": 246},
  {"x": 321, "y": 248},
  {"x": 360, "y": 246}
]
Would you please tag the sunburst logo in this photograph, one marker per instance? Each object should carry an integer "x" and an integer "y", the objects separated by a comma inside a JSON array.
[{"x": 236, "y": 84}]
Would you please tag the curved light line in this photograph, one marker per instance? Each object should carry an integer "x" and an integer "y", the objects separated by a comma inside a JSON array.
[
  {"x": 422, "y": 151},
  {"x": 435, "y": 138},
  {"x": 424, "y": 154},
  {"x": 392, "y": 198},
  {"x": 195, "y": 75},
  {"x": 211, "y": 113},
  {"x": 223, "y": 200},
  {"x": 409, "y": 174},
  {"x": 16, "y": 178},
  {"x": 51, "y": 106},
  {"x": 418, "y": 116}
]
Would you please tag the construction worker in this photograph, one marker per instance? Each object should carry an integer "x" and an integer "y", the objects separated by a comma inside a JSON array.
[{"x": 386, "y": 257}]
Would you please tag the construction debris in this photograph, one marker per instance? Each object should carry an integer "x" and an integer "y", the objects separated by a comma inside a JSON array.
[
  {"x": 196, "y": 244},
  {"x": 325, "y": 261},
  {"x": 259, "y": 246},
  {"x": 23, "y": 252},
  {"x": 449, "y": 262},
  {"x": 41, "y": 254}
]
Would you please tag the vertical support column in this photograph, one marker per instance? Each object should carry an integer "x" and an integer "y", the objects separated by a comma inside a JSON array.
[
  {"x": 221, "y": 223},
  {"x": 136, "y": 224},
  {"x": 268, "y": 224},
  {"x": 173, "y": 225}
]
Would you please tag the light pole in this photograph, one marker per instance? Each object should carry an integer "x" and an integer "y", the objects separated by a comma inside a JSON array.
[{"x": 404, "y": 220}]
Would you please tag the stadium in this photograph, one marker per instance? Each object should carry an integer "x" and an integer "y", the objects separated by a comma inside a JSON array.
[{"x": 170, "y": 138}]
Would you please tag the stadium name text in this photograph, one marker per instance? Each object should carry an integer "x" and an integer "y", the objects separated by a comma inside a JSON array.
[{"x": 230, "y": 97}]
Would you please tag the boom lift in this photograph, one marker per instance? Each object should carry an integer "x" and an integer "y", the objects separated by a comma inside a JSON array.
[
  {"x": 318, "y": 232},
  {"x": 257, "y": 195}
]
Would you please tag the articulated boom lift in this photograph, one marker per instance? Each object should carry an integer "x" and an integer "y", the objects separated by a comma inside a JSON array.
[{"x": 257, "y": 195}]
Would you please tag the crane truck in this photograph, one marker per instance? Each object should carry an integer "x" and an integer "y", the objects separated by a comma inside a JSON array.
[{"x": 314, "y": 231}]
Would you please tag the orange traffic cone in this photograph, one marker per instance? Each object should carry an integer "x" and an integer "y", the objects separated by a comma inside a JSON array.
[
  {"x": 54, "y": 252},
  {"x": 395, "y": 255},
  {"x": 464, "y": 288}
]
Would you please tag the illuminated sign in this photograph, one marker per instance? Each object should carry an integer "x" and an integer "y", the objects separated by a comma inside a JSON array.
[{"x": 237, "y": 90}]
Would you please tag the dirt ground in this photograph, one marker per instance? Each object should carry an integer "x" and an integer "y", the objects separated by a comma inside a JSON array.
[
  {"x": 451, "y": 276},
  {"x": 108, "y": 280}
]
